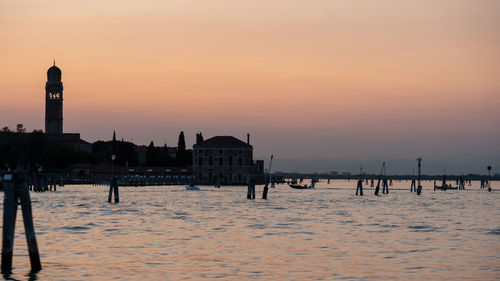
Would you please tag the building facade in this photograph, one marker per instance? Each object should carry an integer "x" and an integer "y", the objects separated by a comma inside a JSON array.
[{"x": 225, "y": 160}]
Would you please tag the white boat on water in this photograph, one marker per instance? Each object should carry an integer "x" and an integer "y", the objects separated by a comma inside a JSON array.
[{"x": 192, "y": 187}]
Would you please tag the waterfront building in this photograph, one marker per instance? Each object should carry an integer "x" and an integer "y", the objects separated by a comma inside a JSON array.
[{"x": 225, "y": 160}]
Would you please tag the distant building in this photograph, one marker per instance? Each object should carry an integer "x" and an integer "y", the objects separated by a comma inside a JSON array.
[
  {"x": 140, "y": 151},
  {"x": 225, "y": 159},
  {"x": 346, "y": 174},
  {"x": 54, "y": 112}
]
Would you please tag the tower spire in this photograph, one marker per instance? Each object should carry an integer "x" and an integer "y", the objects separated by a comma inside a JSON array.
[{"x": 54, "y": 62}]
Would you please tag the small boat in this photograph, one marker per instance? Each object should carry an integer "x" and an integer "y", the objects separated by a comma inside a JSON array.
[
  {"x": 192, "y": 187},
  {"x": 444, "y": 187},
  {"x": 299, "y": 186}
]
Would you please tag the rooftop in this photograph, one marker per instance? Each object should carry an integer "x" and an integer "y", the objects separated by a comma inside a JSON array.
[{"x": 223, "y": 141}]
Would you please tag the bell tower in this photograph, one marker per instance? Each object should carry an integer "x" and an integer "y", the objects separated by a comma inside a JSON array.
[{"x": 54, "y": 102}]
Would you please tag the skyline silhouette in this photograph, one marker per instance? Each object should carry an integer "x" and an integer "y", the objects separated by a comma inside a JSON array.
[{"x": 335, "y": 80}]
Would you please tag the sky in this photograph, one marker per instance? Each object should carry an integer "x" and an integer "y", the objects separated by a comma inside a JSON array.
[{"x": 309, "y": 79}]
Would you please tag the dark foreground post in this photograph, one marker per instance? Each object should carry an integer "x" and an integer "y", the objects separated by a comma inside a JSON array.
[
  {"x": 113, "y": 186},
  {"x": 16, "y": 191},
  {"x": 359, "y": 188}
]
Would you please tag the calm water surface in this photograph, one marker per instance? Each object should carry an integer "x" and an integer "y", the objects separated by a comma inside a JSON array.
[{"x": 168, "y": 233}]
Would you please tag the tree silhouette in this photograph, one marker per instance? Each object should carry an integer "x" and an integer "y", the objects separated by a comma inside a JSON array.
[
  {"x": 181, "y": 155},
  {"x": 20, "y": 128}
]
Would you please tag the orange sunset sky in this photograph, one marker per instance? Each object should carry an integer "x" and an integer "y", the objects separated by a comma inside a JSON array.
[{"x": 308, "y": 79}]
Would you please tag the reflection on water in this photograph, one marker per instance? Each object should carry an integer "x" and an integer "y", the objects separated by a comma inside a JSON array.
[{"x": 322, "y": 234}]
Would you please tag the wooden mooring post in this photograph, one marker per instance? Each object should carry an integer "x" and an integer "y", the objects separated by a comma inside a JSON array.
[
  {"x": 268, "y": 179},
  {"x": 16, "y": 193},
  {"x": 419, "y": 187},
  {"x": 359, "y": 188},
  {"x": 251, "y": 188},
  {"x": 113, "y": 187},
  {"x": 385, "y": 187},
  {"x": 377, "y": 189}
]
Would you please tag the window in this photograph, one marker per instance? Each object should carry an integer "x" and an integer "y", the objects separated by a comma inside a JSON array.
[
  {"x": 210, "y": 161},
  {"x": 240, "y": 152},
  {"x": 220, "y": 152},
  {"x": 240, "y": 178},
  {"x": 200, "y": 151},
  {"x": 221, "y": 161},
  {"x": 240, "y": 162},
  {"x": 230, "y": 160},
  {"x": 200, "y": 161}
]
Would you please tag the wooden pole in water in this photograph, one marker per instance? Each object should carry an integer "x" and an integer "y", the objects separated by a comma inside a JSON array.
[
  {"x": 419, "y": 188},
  {"x": 114, "y": 182},
  {"x": 489, "y": 177},
  {"x": 385, "y": 187},
  {"x": 16, "y": 190},
  {"x": 377, "y": 189},
  {"x": 251, "y": 188},
  {"x": 110, "y": 195},
  {"x": 251, "y": 183},
  {"x": 264, "y": 193},
  {"x": 359, "y": 188}
]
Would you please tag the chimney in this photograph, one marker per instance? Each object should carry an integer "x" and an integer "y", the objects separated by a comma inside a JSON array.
[
  {"x": 248, "y": 138},
  {"x": 199, "y": 138}
]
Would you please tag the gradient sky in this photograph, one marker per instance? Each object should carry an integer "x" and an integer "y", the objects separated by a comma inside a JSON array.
[{"x": 308, "y": 79}]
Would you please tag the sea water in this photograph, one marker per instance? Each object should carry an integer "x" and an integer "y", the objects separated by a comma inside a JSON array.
[{"x": 326, "y": 233}]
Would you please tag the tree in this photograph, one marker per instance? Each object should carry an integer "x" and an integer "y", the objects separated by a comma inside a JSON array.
[
  {"x": 181, "y": 156},
  {"x": 6, "y": 130},
  {"x": 20, "y": 128},
  {"x": 113, "y": 144},
  {"x": 151, "y": 154}
]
